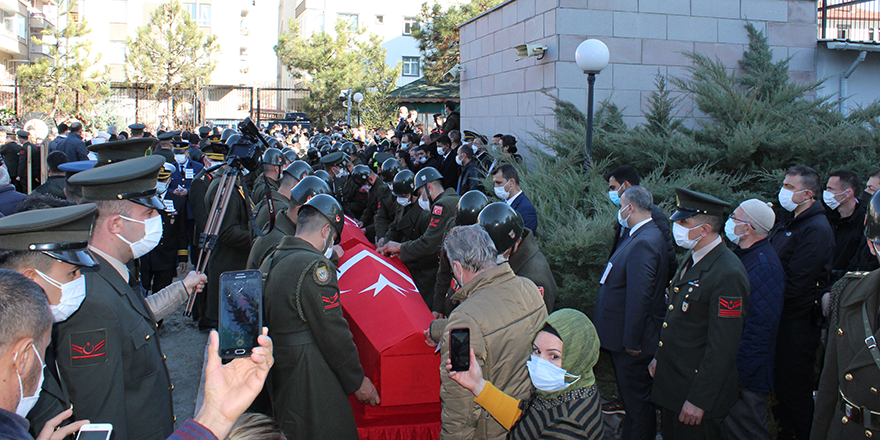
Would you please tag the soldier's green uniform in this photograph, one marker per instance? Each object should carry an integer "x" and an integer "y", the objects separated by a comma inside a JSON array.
[
  {"x": 696, "y": 357},
  {"x": 262, "y": 186},
  {"x": 107, "y": 351},
  {"x": 316, "y": 361},
  {"x": 528, "y": 261},
  {"x": 386, "y": 213},
  {"x": 233, "y": 244},
  {"x": 279, "y": 200},
  {"x": 848, "y": 400},
  {"x": 410, "y": 224},
  {"x": 378, "y": 195},
  {"x": 264, "y": 245}
]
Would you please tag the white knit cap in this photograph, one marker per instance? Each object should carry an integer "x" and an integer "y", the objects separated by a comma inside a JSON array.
[{"x": 761, "y": 213}]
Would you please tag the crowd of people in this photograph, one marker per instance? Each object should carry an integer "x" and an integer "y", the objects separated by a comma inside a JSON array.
[{"x": 89, "y": 259}]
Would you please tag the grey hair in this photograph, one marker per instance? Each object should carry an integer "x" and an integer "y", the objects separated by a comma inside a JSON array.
[
  {"x": 24, "y": 309},
  {"x": 4, "y": 176},
  {"x": 639, "y": 197},
  {"x": 472, "y": 247}
]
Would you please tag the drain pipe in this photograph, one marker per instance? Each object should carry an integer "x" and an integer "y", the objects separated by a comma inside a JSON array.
[{"x": 845, "y": 77}]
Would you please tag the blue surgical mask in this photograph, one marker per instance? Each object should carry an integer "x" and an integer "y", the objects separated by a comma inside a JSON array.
[{"x": 614, "y": 196}]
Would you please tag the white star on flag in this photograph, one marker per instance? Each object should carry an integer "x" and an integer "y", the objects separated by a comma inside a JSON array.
[{"x": 382, "y": 283}]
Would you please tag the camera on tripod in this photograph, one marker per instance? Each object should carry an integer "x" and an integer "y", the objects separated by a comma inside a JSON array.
[{"x": 246, "y": 152}]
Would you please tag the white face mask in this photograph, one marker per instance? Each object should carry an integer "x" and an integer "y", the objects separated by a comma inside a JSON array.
[
  {"x": 423, "y": 159},
  {"x": 440, "y": 151},
  {"x": 499, "y": 260},
  {"x": 458, "y": 160},
  {"x": 424, "y": 204},
  {"x": 680, "y": 234},
  {"x": 403, "y": 201},
  {"x": 328, "y": 252},
  {"x": 161, "y": 187},
  {"x": 342, "y": 172},
  {"x": 730, "y": 231},
  {"x": 785, "y": 196},
  {"x": 72, "y": 295},
  {"x": 830, "y": 200},
  {"x": 621, "y": 220},
  {"x": 26, "y": 403},
  {"x": 180, "y": 158},
  {"x": 152, "y": 235},
  {"x": 502, "y": 193},
  {"x": 548, "y": 377}
]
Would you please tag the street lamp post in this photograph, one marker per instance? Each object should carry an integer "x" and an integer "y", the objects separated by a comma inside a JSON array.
[
  {"x": 591, "y": 56},
  {"x": 358, "y": 97}
]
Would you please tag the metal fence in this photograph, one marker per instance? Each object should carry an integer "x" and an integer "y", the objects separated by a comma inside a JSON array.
[
  {"x": 853, "y": 20},
  {"x": 215, "y": 104}
]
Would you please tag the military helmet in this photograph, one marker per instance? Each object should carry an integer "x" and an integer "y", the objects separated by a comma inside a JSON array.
[
  {"x": 469, "y": 207},
  {"x": 872, "y": 222},
  {"x": 231, "y": 140},
  {"x": 347, "y": 148},
  {"x": 273, "y": 156},
  {"x": 308, "y": 187},
  {"x": 335, "y": 147},
  {"x": 325, "y": 176},
  {"x": 226, "y": 133},
  {"x": 272, "y": 142},
  {"x": 323, "y": 141},
  {"x": 312, "y": 153},
  {"x": 360, "y": 174},
  {"x": 390, "y": 168},
  {"x": 325, "y": 150},
  {"x": 404, "y": 184},
  {"x": 289, "y": 154},
  {"x": 425, "y": 175},
  {"x": 331, "y": 209},
  {"x": 503, "y": 223},
  {"x": 298, "y": 169}
]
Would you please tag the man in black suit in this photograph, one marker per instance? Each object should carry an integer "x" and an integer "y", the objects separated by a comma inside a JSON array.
[
  {"x": 619, "y": 180},
  {"x": 506, "y": 180},
  {"x": 630, "y": 308},
  {"x": 448, "y": 167}
]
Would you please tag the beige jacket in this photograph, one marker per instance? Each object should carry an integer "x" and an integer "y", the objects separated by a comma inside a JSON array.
[{"x": 502, "y": 311}]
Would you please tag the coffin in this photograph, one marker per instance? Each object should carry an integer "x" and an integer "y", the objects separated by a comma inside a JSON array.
[{"x": 387, "y": 316}]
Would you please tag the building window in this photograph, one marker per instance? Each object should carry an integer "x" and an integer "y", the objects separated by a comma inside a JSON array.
[
  {"x": 380, "y": 19},
  {"x": 870, "y": 34},
  {"x": 118, "y": 11},
  {"x": 408, "y": 25},
  {"x": 8, "y": 22},
  {"x": 350, "y": 20},
  {"x": 21, "y": 26},
  {"x": 117, "y": 52},
  {"x": 204, "y": 15},
  {"x": 842, "y": 31},
  {"x": 410, "y": 66},
  {"x": 191, "y": 9}
]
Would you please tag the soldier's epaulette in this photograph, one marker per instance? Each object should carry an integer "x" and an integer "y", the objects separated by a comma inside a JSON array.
[{"x": 856, "y": 274}]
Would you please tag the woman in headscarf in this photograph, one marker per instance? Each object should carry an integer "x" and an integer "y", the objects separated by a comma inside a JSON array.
[{"x": 565, "y": 401}]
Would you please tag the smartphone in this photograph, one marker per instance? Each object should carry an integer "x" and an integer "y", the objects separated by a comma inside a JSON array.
[
  {"x": 459, "y": 348},
  {"x": 95, "y": 431},
  {"x": 241, "y": 312}
]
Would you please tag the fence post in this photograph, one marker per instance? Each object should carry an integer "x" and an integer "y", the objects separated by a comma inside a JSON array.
[
  {"x": 76, "y": 104},
  {"x": 258, "y": 107},
  {"x": 137, "y": 92},
  {"x": 251, "y": 101},
  {"x": 824, "y": 17}
]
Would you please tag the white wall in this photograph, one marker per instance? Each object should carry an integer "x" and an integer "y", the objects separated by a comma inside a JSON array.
[{"x": 862, "y": 84}]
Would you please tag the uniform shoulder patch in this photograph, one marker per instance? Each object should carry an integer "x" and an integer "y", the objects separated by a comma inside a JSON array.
[
  {"x": 438, "y": 210},
  {"x": 322, "y": 274},
  {"x": 88, "y": 348},
  {"x": 730, "y": 306}
]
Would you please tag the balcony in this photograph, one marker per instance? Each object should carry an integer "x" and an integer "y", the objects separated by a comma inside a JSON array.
[
  {"x": 38, "y": 22},
  {"x": 856, "y": 21}
]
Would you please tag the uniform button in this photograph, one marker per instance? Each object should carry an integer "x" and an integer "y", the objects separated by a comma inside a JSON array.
[
  {"x": 675, "y": 290},
  {"x": 697, "y": 371},
  {"x": 868, "y": 434},
  {"x": 840, "y": 331},
  {"x": 848, "y": 377},
  {"x": 148, "y": 337},
  {"x": 163, "y": 357},
  {"x": 687, "y": 296},
  {"x": 874, "y": 390},
  {"x": 671, "y": 307},
  {"x": 660, "y": 344},
  {"x": 172, "y": 387},
  {"x": 844, "y": 420},
  {"x": 665, "y": 325},
  {"x": 690, "y": 289},
  {"x": 175, "y": 418}
]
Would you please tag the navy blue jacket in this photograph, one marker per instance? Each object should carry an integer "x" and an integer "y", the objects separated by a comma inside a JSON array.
[
  {"x": 757, "y": 348},
  {"x": 74, "y": 148},
  {"x": 13, "y": 427},
  {"x": 631, "y": 302},
  {"x": 9, "y": 199},
  {"x": 524, "y": 207}
]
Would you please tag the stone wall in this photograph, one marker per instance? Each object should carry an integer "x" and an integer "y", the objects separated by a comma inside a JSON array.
[{"x": 502, "y": 95}]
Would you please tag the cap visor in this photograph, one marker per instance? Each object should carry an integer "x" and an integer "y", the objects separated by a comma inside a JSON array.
[
  {"x": 76, "y": 258},
  {"x": 680, "y": 215},
  {"x": 149, "y": 202}
]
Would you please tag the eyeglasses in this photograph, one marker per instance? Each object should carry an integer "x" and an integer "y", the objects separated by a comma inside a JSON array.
[{"x": 740, "y": 221}]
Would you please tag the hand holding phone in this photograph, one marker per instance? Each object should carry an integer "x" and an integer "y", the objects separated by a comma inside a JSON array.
[
  {"x": 241, "y": 312},
  {"x": 95, "y": 431}
]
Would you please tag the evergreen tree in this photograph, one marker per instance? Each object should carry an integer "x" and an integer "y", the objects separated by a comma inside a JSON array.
[
  {"x": 331, "y": 64},
  {"x": 53, "y": 84},
  {"x": 437, "y": 34},
  {"x": 172, "y": 57}
]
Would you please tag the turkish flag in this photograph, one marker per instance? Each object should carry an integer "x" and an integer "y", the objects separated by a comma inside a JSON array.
[{"x": 387, "y": 316}]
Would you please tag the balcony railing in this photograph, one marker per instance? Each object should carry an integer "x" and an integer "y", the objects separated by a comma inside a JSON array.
[{"x": 849, "y": 20}]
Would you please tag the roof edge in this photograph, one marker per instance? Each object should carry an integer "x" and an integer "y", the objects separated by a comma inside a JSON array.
[{"x": 504, "y": 3}]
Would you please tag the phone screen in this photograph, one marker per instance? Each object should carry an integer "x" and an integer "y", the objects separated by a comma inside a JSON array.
[
  {"x": 241, "y": 312},
  {"x": 93, "y": 435},
  {"x": 459, "y": 348}
]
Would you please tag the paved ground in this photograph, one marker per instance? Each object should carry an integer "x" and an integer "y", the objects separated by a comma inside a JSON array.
[{"x": 184, "y": 348}]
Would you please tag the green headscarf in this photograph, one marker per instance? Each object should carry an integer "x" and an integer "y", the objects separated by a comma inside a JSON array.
[{"x": 580, "y": 348}]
